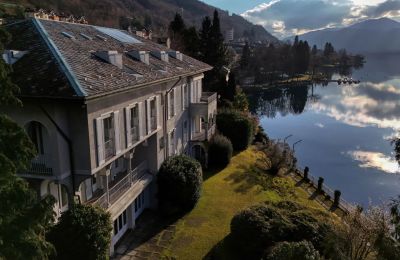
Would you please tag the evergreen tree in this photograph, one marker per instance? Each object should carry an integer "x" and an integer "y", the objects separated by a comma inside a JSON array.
[
  {"x": 176, "y": 31},
  {"x": 245, "y": 59},
  {"x": 177, "y": 26},
  {"x": 328, "y": 50},
  {"x": 24, "y": 218},
  {"x": 191, "y": 42},
  {"x": 205, "y": 40},
  {"x": 314, "y": 50},
  {"x": 217, "y": 39},
  {"x": 231, "y": 87}
]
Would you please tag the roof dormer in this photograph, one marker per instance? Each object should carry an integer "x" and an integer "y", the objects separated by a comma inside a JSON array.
[
  {"x": 142, "y": 56},
  {"x": 112, "y": 57},
  {"x": 176, "y": 54},
  {"x": 12, "y": 56},
  {"x": 161, "y": 55}
]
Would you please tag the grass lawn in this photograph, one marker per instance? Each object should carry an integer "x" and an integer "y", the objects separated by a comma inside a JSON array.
[{"x": 226, "y": 192}]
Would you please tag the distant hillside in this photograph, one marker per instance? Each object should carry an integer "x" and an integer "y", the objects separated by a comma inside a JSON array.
[
  {"x": 158, "y": 13},
  {"x": 370, "y": 36}
]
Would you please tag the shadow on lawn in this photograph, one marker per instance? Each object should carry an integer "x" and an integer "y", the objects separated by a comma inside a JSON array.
[
  {"x": 247, "y": 177},
  {"x": 224, "y": 249}
]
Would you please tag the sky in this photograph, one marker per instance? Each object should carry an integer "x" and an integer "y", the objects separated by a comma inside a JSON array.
[{"x": 284, "y": 18}]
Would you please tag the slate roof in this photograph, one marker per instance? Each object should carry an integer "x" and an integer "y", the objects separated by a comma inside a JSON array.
[{"x": 60, "y": 66}]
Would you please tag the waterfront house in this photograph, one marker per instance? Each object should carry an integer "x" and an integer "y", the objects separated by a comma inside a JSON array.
[{"x": 104, "y": 109}]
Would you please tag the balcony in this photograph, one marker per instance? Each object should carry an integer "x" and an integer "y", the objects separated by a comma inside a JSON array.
[
  {"x": 204, "y": 134},
  {"x": 109, "y": 149},
  {"x": 120, "y": 187},
  {"x": 206, "y": 106},
  {"x": 41, "y": 165}
]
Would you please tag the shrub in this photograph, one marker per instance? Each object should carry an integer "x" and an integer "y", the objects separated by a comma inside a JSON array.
[
  {"x": 83, "y": 232},
  {"x": 179, "y": 184},
  {"x": 261, "y": 136},
  {"x": 257, "y": 228},
  {"x": 238, "y": 127},
  {"x": 303, "y": 250},
  {"x": 219, "y": 151},
  {"x": 276, "y": 157}
]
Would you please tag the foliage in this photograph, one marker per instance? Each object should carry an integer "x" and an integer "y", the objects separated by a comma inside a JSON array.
[
  {"x": 243, "y": 125},
  {"x": 396, "y": 143},
  {"x": 364, "y": 235},
  {"x": 179, "y": 184},
  {"x": 277, "y": 156},
  {"x": 260, "y": 136},
  {"x": 395, "y": 217},
  {"x": 257, "y": 228},
  {"x": 245, "y": 58},
  {"x": 240, "y": 101},
  {"x": 219, "y": 151},
  {"x": 83, "y": 232},
  {"x": 303, "y": 250},
  {"x": 24, "y": 218}
]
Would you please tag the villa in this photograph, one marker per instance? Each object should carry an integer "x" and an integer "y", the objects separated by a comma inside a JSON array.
[{"x": 104, "y": 109}]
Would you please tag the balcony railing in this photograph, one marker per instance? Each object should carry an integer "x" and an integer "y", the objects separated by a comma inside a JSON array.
[
  {"x": 153, "y": 123},
  {"x": 41, "y": 165},
  {"x": 109, "y": 149},
  {"x": 204, "y": 134},
  {"x": 117, "y": 190},
  {"x": 208, "y": 97}
]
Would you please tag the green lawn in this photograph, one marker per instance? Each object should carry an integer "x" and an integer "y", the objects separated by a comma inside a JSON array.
[{"x": 238, "y": 186}]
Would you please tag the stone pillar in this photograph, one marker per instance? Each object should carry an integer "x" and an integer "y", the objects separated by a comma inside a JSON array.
[
  {"x": 336, "y": 200},
  {"x": 306, "y": 171},
  {"x": 320, "y": 184}
]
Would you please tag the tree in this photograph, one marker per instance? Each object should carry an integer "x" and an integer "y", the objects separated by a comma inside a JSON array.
[
  {"x": 243, "y": 135},
  {"x": 83, "y": 232},
  {"x": 328, "y": 50},
  {"x": 191, "y": 42},
  {"x": 231, "y": 88},
  {"x": 177, "y": 26},
  {"x": 179, "y": 184},
  {"x": 219, "y": 151},
  {"x": 24, "y": 218},
  {"x": 276, "y": 157},
  {"x": 245, "y": 59}
]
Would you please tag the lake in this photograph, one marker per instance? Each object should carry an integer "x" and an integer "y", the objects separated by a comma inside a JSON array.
[{"x": 345, "y": 130}]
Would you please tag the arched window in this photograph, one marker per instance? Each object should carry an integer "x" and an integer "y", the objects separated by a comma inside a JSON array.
[{"x": 35, "y": 132}]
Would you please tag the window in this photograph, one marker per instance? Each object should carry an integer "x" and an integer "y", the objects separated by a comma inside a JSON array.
[
  {"x": 35, "y": 132},
  {"x": 162, "y": 142},
  {"x": 139, "y": 202},
  {"x": 134, "y": 114},
  {"x": 64, "y": 197},
  {"x": 108, "y": 126},
  {"x": 171, "y": 102},
  {"x": 185, "y": 132},
  {"x": 172, "y": 142},
  {"x": 120, "y": 222},
  {"x": 153, "y": 114},
  {"x": 185, "y": 99}
]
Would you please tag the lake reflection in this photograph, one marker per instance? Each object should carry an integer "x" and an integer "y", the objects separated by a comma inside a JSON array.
[{"x": 346, "y": 130}]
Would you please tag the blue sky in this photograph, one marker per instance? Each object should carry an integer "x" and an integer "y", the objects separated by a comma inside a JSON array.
[{"x": 284, "y": 18}]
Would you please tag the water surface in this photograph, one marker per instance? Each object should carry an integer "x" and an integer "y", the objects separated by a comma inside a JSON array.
[{"x": 345, "y": 130}]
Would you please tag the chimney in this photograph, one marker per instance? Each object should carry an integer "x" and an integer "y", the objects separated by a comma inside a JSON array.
[
  {"x": 161, "y": 55},
  {"x": 176, "y": 54},
  {"x": 142, "y": 56},
  {"x": 112, "y": 57}
]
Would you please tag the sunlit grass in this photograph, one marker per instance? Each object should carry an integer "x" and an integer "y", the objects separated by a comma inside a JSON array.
[{"x": 237, "y": 187}]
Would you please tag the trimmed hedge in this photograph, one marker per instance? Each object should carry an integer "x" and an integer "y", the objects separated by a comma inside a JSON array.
[
  {"x": 238, "y": 127},
  {"x": 179, "y": 184},
  {"x": 256, "y": 229},
  {"x": 303, "y": 250},
  {"x": 219, "y": 151}
]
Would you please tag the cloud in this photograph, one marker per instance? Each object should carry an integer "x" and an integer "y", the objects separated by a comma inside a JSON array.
[
  {"x": 375, "y": 160},
  {"x": 288, "y": 17},
  {"x": 319, "y": 125}
]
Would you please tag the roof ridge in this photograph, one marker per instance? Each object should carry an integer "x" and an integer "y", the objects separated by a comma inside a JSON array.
[{"x": 59, "y": 58}]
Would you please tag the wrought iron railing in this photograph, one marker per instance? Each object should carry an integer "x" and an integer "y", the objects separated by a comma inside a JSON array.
[
  {"x": 41, "y": 165},
  {"x": 117, "y": 190}
]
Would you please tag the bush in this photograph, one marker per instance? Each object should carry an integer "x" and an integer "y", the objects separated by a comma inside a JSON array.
[
  {"x": 219, "y": 151},
  {"x": 261, "y": 136},
  {"x": 238, "y": 127},
  {"x": 257, "y": 228},
  {"x": 83, "y": 232},
  {"x": 303, "y": 250},
  {"x": 179, "y": 184}
]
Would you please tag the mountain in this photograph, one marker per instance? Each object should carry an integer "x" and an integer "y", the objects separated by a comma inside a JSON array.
[
  {"x": 370, "y": 36},
  {"x": 157, "y": 13}
]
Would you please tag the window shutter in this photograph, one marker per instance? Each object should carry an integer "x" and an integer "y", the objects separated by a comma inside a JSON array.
[
  {"x": 158, "y": 109},
  {"x": 100, "y": 141},
  {"x": 142, "y": 121},
  {"x": 148, "y": 116},
  {"x": 175, "y": 101},
  {"x": 128, "y": 126},
  {"x": 117, "y": 133}
]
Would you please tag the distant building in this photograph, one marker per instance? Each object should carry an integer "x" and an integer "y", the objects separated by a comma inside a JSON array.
[{"x": 229, "y": 35}]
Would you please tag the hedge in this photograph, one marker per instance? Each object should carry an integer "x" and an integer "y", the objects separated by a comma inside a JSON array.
[{"x": 219, "y": 151}]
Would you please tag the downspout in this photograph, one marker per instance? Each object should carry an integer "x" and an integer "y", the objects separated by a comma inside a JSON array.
[
  {"x": 165, "y": 119},
  {"x": 70, "y": 149}
]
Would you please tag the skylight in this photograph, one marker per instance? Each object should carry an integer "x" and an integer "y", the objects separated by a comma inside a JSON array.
[{"x": 118, "y": 35}]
